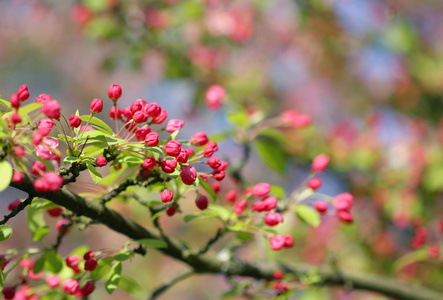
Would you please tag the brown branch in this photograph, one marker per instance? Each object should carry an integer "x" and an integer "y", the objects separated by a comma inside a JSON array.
[
  {"x": 17, "y": 209},
  {"x": 209, "y": 263}
]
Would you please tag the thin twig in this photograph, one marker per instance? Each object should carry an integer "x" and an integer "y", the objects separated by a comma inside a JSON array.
[
  {"x": 18, "y": 209},
  {"x": 169, "y": 284}
]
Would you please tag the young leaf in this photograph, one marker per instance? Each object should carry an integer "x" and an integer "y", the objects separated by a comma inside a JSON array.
[
  {"x": 308, "y": 215},
  {"x": 5, "y": 232},
  {"x": 98, "y": 122},
  {"x": 53, "y": 262},
  {"x": 152, "y": 243},
  {"x": 208, "y": 189},
  {"x": 130, "y": 285},
  {"x": 271, "y": 154},
  {"x": 6, "y": 171},
  {"x": 95, "y": 175},
  {"x": 114, "y": 277},
  {"x": 122, "y": 256},
  {"x": 40, "y": 233},
  {"x": 35, "y": 220}
]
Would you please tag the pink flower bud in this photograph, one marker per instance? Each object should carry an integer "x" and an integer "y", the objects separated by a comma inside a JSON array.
[
  {"x": 45, "y": 126},
  {"x": 270, "y": 203},
  {"x": 320, "y": 163},
  {"x": 23, "y": 92},
  {"x": 170, "y": 210},
  {"x": 161, "y": 117},
  {"x": 62, "y": 223},
  {"x": 90, "y": 264},
  {"x": 239, "y": 207},
  {"x": 173, "y": 148},
  {"x": 18, "y": 177},
  {"x": 115, "y": 113},
  {"x": 343, "y": 201},
  {"x": 223, "y": 166},
  {"x": 188, "y": 174},
  {"x": 273, "y": 218},
  {"x": 15, "y": 118},
  {"x": 214, "y": 97},
  {"x": 277, "y": 242},
  {"x": 136, "y": 106},
  {"x": 38, "y": 168},
  {"x": 190, "y": 151},
  {"x": 259, "y": 206},
  {"x": 321, "y": 206},
  {"x": 182, "y": 157},
  {"x": 140, "y": 134},
  {"x": 40, "y": 186},
  {"x": 74, "y": 121},
  {"x": 114, "y": 92},
  {"x": 314, "y": 183},
  {"x": 101, "y": 161},
  {"x": 214, "y": 162},
  {"x": 86, "y": 290},
  {"x": 174, "y": 125},
  {"x": 151, "y": 139},
  {"x": 96, "y": 106},
  {"x": 19, "y": 151},
  {"x": 218, "y": 175},
  {"x": 72, "y": 261},
  {"x": 344, "y": 216},
  {"x": 149, "y": 163},
  {"x": 231, "y": 196},
  {"x": 51, "y": 109},
  {"x": 166, "y": 196},
  {"x": 53, "y": 281},
  {"x": 294, "y": 119},
  {"x": 289, "y": 241},
  {"x": 86, "y": 128},
  {"x": 433, "y": 251},
  {"x": 153, "y": 110},
  {"x": 43, "y": 98},
  {"x": 140, "y": 117},
  {"x": 127, "y": 113},
  {"x": 216, "y": 187},
  {"x": 199, "y": 139},
  {"x": 168, "y": 166},
  {"x": 15, "y": 101},
  {"x": 13, "y": 204},
  {"x": 278, "y": 275},
  {"x": 70, "y": 287},
  {"x": 48, "y": 150},
  {"x": 210, "y": 148},
  {"x": 201, "y": 202},
  {"x": 53, "y": 181},
  {"x": 261, "y": 189}
]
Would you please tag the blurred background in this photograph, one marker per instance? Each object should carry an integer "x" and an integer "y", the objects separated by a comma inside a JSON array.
[{"x": 368, "y": 72}]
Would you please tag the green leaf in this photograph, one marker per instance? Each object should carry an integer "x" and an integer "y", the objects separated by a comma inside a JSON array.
[
  {"x": 278, "y": 191},
  {"x": 40, "y": 233},
  {"x": 25, "y": 110},
  {"x": 271, "y": 154},
  {"x": 221, "y": 211},
  {"x": 2, "y": 279},
  {"x": 53, "y": 262},
  {"x": 130, "y": 285},
  {"x": 244, "y": 236},
  {"x": 208, "y": 189},
  {"x": 5, "y": 232},
  {"x": 191, "y": 217},
  {"x": 95, "y": 175},
  {"x": 97, "y": 121},
  {"x": 114, "y": 277},
  {"x": 308, "y": 215},
  {"x": 239, "y": 118},
  {"x": 152, "y": 243},
  {"x": 412, "y": 257},
  {"x": 70, "y": 159},
  {"x": 35, "y": 219},
  {"x": 103, "y": 266},
  {"x": 5, "y": 103},
  {"x": 39, "y": 264},
  {"x": 122, "y": 256},
  {"x": 6, "y": 171}
]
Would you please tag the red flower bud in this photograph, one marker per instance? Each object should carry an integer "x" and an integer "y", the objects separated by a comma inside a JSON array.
[
  {"x": 173, "y": 148},
  {"x": 62, "y": 223},
  {"x": 51, "y": 109},
  {"x": 170, "y": 210},
  {"x": 114, "y": 92},
  {"x": 74, "y": 121},
  {"x": 166, "y": 196},
  {"x": 343, "y": 201},
  {"x": 43, "y": 98},
  {"x": 115, "y": 115},
  {"x": 136, "y": 106},
  {"x": 214, "y": 162},
  {"x": 270, "y": 203},
  {"x": 344, "y": 216},
  {"x": 188, "y": 174},
  {"x": 23, "y": 92},
  {"x": 210, "y": 148},
  {"x": 101, "y": 161},
  {"x": 89, "y": 255},
  {"x": 15, "y": 118},
  {"x": 72, "y": 261},
  {"x": 160, "y": 118},
  {"x": 13, "y": 204},
  {"x": 55, "y": 212},
  {"x": 40, "y": 186},
  {"x": 151, "y": 139},
  {"x": 314, "y": 183},
  {"x": 199, "y": 139},
  {"x": 90, "y": 264},
  {"x": 153, "y": 110},
  {"x": 321, "y": 206},
  {"x": 239, "y": 207},
  {"x": 86, "y": 290},
  {"x": 218, "y": 175},
  {"x": 45, "y": 126},
  {"x": 139, "y": 117},
  {"x": 277, "y": 242},
  {"x": 182, "y": 157},
  {"x": 18, "y": 177},
  {"x": 202, "y": 202},
  {"x": 149, "y": 163},
  {"x": 231, "y": 196},
  {"x": 53, "y": 281},
  {"x": 9, "y": 292},
  {"x": 96, "y": 106},
  {"x": 15, "y": 101},
  {"x": 273, "y": 218},
  {"x": 216, "y": 187},
  {"x": 168, "y": 166}
]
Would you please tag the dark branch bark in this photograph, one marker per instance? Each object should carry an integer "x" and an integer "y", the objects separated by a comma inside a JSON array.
[{"x": 211, "y": 264}]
